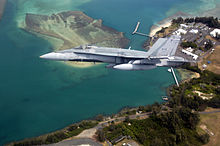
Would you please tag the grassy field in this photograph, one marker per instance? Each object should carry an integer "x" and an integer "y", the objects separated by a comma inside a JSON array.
[
  {"x": 212, "y": 122},
  {"x": 215, "y": 61}
]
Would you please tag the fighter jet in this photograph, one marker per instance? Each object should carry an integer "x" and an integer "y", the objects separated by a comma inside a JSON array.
[{"x": 162, "y": 53}]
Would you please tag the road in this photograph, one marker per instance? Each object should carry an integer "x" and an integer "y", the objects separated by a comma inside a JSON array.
[
  {"x": 86, "y": 137},
  {"x": 209, "y": 112},
  {"x": 120, "y": 119}
]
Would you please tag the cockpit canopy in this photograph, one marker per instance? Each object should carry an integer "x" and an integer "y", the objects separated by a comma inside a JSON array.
[{"x": 86, "y": 47}]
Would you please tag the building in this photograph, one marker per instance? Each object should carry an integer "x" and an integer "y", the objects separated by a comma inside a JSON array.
[
  {"x": 194, "y": 56},
  {"x": 215, "y": 32},
  {"x": 195, "y": 31},
  {"x": 190, "y": 49},
  {"x": 180, "y": 31},
  {"x": 183, "y": 26}
]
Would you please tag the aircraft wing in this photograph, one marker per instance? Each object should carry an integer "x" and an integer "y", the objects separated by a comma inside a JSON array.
[{"x": 165, "y": 47}]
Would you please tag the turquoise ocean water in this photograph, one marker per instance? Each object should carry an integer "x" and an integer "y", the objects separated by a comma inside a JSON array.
[{"x": 39, "y": 96}]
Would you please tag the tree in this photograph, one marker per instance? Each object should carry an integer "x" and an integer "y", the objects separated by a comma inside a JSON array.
[
  {"x": 100, "y": 135},
  {"x": 214, "y": 102},
  {"x": 127, "y": 119},
  {"x": 209, "y": 21},
  {"x": 188, "y": 44},
  {"x": 99, "y": 118},
  {"x": 157, "y": 142},
  {"x": 179, "y": 20},
  {"x": 204, "y": 138},
  {"x": 190, "y": 119},
  {"x": 189, "y": 20},
  {"x": 208, "y": 45}
]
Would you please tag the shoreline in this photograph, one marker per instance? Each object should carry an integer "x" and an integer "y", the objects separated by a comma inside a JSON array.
[
  {"x": 118, "y": 113},
  {"x": 2, "y": 7},
  {"x": 155, "y": 28},
  {"x": 166, "y": 22},
  {"x": 55, "y": 42},
  {"x": 97, "y": 121},
  {"x": 187, "y": 75},
  {"x": 64, "y": 38}
]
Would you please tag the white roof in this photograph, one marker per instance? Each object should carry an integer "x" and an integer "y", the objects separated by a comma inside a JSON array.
[
  {"x": 179, "y": 32},
  {"x": 182, "y": 31},
  {"x": 190, "y": 54},
  {"x": 213, "y": 33},
  {"x": 189, "y": 49},
  {"x": 184, "y": 25},
  {"x": 194, "y": 31}
]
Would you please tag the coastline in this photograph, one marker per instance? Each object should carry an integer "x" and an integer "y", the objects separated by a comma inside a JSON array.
[
  {"x": 62, "y": 38},
  {"x": 156, "y": 28},
  {"x": 166, "y": 22},
  {"x": 54, "y": 82},
  {"x": 57, "y": 44},
  {"x": 188, "y": 75},
  {"x": 2, "y": 7}
]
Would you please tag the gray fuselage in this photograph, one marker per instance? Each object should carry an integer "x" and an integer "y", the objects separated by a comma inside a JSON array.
[{"x": 119, "y": 58}]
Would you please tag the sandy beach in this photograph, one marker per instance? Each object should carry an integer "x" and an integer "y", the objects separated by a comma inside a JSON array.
[
  {"x": 166, "y": 22},
  {"x": 156, "y": 28},
  {"x": 2, "y": 7}
]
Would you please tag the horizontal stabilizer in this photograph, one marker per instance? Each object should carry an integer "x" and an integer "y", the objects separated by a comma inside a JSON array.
[{"x": 165, "y": 46}]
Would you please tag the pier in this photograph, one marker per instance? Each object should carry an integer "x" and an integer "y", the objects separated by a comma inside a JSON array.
[
  {"x": 136, "y": 31},
  {"x": 174, "y": 76},
  {"x": 142, "y": 34},
  {"x": 137, "y": 26}
]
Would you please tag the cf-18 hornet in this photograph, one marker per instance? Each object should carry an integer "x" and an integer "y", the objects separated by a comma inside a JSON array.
[{"x": 162, "y": 53}]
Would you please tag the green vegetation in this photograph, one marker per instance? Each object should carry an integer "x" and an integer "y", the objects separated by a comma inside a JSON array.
[
  {"x": 57, "y": 136},
  {"x": 174, "y": 122},
  {"x": 208, "y": 45},
  {"x": 208, "y": 83},
  {"x": 188, "y": 44},
  {"x": 209, "y": 21},
  {"x": 171, "y": 123},
  {"x": 162, "y": 30},
  {"x": 172, "y": 128},
  {"x": 100, "y": 135}
]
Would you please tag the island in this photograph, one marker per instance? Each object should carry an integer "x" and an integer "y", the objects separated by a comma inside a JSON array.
[
  {"x": 189, "y": 115},
  {"x": 2, "y": 7},
  {"x": 74, "y": 28}
]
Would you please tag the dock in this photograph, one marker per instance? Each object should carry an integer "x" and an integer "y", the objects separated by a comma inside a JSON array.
[
  {"x": 174, "y": 76},
  {"x": 136, "y": 30},
  {"x": 142, "y": 34}
]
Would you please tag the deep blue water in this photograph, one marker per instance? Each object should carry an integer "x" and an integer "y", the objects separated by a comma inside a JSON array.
[{"x": 39, "y": 96}]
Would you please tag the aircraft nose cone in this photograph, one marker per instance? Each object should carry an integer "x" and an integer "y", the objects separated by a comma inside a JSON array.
[
  {"x": 42, "y": 56},
  {"x": 49, "y": 56},
  {"x": 56, "y": 56}
]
